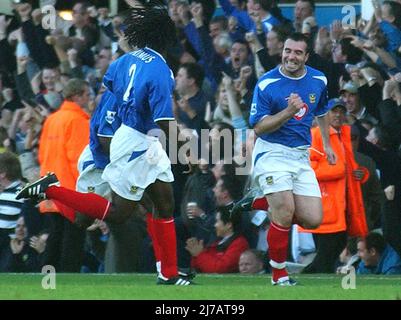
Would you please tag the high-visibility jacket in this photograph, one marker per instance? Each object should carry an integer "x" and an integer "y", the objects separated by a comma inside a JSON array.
[
  {"x": 342, "y": 200},
  {"x": 65, "y": 134}
]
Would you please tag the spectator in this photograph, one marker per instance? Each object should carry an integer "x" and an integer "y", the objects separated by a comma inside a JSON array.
[
  {"x": 304, "y": 14},
  {"x": 252, "y": 261},
  {"x": 378, "y": 145},
  {"x": 10, "y": 209},
  {"x": 372, "y": 192},
  {"x": 64, "y": 136},
  {"x": 217, "y": 26},
  {"x": 349, "y": 257},
  {"x": 191, "y": 104},
  {"x": 25, "y": 254},
  {"x": 377, "y": 256},
  {"x": 340, "y": 184},
  {"x": 222, "y": 256},
  {"x": 349, "y": 94}
]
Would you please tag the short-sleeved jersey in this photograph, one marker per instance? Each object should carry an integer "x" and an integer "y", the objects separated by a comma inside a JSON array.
[
  {"x": 143, "y": 86},
  {"x": 104, "y": 123},
  {"x": 268, "y": 23},
  {"x": 271, "y": 96}
]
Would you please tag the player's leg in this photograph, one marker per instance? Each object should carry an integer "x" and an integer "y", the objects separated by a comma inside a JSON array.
[
  {"x": 89, "y": 204},
  {"x": 308, "y": 211},
  {"x": 162, "y": 196},
  {"x": 307, "y": 197},
  {"x": 150, "y": 211},
  {"x": 282, "y": 208}
]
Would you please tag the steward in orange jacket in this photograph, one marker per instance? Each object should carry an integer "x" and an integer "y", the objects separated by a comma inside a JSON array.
[
  {"x": 64, "y": 135},
  {"x": 340, "y": 185},
  {"x": 342, "y": 200}
]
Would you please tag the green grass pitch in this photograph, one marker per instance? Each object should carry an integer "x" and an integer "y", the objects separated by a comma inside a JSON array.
[{"x": 210, "y": 287}]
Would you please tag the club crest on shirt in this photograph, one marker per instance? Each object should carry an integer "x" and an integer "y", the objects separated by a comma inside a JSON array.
[
  {"x": 134, "y": 189},
  {"x": 110, "y": 117},
  {"x": 91, "y": 189},
  {"x": 312, "y": 97},
  {"x": 269, "y": 180},
  {"x": 302, "y": 112}
]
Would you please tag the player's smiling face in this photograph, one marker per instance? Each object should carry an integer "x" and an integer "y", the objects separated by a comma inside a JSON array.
[{"x": 294, "y": 57}]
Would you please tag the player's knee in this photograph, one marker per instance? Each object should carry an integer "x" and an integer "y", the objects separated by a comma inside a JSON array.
[
  {"x": 285, "y": 210},
  {"x": 312, "y": 223},
  {"x": 283, "y": 214}
]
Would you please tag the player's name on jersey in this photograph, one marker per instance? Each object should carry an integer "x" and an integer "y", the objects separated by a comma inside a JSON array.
[{"x": 144, "y": 56}]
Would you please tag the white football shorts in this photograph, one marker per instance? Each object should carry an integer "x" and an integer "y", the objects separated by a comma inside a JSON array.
[
  {"x": 90, "y": 178},
  {"x": 280, "y": 168},
  {"x": 136, "y": 161}
]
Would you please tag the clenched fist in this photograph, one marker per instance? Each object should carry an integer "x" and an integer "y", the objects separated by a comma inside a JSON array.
[{"x": 295, "y": 103}]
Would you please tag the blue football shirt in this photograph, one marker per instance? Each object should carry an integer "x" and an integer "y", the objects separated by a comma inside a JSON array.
[
  {"x": 271, "y": 96},
  {"x": 104, "y": 123},
  {"x": 143, "y": 86}
]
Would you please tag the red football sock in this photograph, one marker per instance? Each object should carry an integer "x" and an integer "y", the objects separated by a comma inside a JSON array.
[
  {"x": 164, "y": 232},
  {"x": 65, "y": 211},
  {"x": 260, "y": 204},
  {"x": 89, "y": 204},
  {"x": 151, "y": 232},
  {"x": 277, "y": 239}
]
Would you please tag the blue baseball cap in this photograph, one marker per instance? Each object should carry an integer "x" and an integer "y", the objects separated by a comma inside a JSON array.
[{"x": 336, "y": 102}]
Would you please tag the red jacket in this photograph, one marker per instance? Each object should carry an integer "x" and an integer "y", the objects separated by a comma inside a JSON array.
[
  {"x": 212, "y": 260},
  {"x": 341, "y": 193}
]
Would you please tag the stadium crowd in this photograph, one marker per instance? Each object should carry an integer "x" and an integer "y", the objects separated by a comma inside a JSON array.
[{"x": 223, "y": 48}]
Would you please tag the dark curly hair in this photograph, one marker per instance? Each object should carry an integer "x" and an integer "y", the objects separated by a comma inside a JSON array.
[{"x": 150, "y": 27}]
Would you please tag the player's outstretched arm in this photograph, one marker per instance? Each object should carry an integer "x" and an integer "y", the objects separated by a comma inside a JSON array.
[{"x": 324, "y": 126}]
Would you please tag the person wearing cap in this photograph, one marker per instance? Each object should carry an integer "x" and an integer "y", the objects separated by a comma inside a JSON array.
[
  {"x": 340, "y": 185},
  {"x": 350, "y": 96}
]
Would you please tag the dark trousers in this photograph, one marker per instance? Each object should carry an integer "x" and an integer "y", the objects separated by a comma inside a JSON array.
[
  {"x": 65, "y": 245},
  {"x": 391, "y": 223},
  {"x": 123, "y": 250},
  {"x": 328, "y": 247}
]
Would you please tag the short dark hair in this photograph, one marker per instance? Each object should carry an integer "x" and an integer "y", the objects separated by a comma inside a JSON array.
[
  {"x": 354, "y": 54},
  {"x": 242, "y": 41},
  {"x": 384, "y": 137},
  {"x": 228, "y": 216},
  {"x": 194, "y": 71},
  {"x": 374, "y": 240},
  {"x": 231, "y": 185},
  {"x": 282, "y": 32},
  {"x": 298, "y": 36},
  {"x": 10, "y": 165},
  {"x": 222, "y": 20},
  {"x": 265, "y": 4}
]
